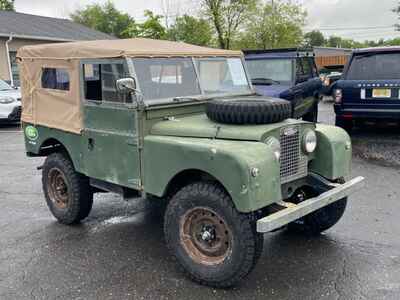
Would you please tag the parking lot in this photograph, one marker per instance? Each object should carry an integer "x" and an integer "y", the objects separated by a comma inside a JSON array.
[{"x": 119, "y": 252}]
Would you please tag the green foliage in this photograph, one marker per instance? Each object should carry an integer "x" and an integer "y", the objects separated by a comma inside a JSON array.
[
  {"x": 227, "y": 17},
  {"x": 7, "y": 5},
  {"x": 277, "y": 26},
  {"x": 191, "y": 30},
  {"x": 152, "y": 27},
  {"x": 105, "y": 18},
  {"x": 314, "y": 38}
]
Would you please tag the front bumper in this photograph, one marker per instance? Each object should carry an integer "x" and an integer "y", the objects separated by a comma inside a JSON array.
[
  {"x": 366, "y": 113},
  {"x": 294, "y": 212},
  {"x": 10, "y": 113}
]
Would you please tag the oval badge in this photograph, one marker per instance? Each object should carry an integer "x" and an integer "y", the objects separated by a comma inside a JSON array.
[
  {"x": 290, "y": 131},
  {"x": 31, "y": 133}
]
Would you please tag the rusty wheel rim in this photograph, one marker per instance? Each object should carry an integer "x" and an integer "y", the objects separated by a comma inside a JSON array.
[
  {"x": 58, "y": 188},
  {"x": 205, "y": 236}
]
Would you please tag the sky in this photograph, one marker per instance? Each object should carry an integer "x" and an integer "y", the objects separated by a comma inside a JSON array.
[{"x": 358, "y": 19}]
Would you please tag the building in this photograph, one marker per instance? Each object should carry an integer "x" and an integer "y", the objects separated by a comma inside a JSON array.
[
  {"x": 326, "y": 56},
  {"x": 17, "y": 30}
]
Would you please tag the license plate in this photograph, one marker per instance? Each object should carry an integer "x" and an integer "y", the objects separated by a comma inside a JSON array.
[{"x": 381, "y": 93}]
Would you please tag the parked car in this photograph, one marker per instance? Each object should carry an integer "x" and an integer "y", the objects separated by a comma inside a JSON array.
[
  {"x": 289, "y": 74},
  {"x": 329, "y": 76},
  {"x": 369, "y": 88},
  {"x": 10, "y": 103},
  {"x": 180, "y": 125}
]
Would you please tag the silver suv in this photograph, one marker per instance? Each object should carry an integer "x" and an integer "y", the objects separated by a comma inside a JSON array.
[{"x": 10, "y": 103}]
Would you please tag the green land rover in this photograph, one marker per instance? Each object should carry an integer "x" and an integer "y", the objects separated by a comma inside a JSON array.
[{"x": 180, "y": 125}]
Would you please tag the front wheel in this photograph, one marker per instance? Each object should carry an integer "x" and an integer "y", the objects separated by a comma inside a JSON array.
[
  {"x": 214, "y": 243},
  {"x": 68, "y": 193},
  {"x": 322, "y": 219}
]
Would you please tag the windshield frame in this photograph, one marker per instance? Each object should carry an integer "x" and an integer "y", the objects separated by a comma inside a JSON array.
[
  {"x": 293, "y": 67},
  {"x": 200, "y": 97}
]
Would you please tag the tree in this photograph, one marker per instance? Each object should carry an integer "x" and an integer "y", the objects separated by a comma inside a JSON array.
[
  {"x": 227, "y": 16},
  {"x": 314, "y": 38},
  {"x": 7, "y": 5},
  {"x": 274, "y": 26},
  {"x": 105, "y": 18},
  {"x": 191, "y": 30},
  {"x": 152, "y": 27}
]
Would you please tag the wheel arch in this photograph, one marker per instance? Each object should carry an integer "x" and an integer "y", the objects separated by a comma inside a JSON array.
[
  {"x": 54, "y": 145},
  {"x": 188, "y": 176}
]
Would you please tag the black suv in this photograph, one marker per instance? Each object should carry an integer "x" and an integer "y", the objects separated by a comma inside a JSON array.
[
  {"x": 369, "y": 88},
  {"x": 290, "y": 74}
]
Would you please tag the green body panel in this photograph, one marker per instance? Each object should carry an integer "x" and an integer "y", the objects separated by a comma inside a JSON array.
[
  {"x": 111, "y": 150},
  {"x": 333, "y": 154},
  {"x": 200, "y": 126},
  {"x": 71, "y": 141},
  {"x": 230, "y": 162}
]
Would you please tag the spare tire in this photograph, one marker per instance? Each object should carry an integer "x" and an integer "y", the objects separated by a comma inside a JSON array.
[{"x": 249, "y": 111}]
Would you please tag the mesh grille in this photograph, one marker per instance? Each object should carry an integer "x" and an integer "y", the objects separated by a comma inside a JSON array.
[{"x": 293, "y": 164}]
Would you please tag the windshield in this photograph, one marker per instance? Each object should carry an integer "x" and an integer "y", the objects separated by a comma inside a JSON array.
[
  {"x": 222, "y": 75},
  {"x": 4, "y": 86},
  {"x": 270, "y": 71},
  {"x": 161, "y": 78},
  {"x": 375, "y": 67}
]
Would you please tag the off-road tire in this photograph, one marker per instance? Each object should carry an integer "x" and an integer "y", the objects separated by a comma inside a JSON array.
[
  {"x": 312, "y": 116},
  {"x": 344, "y": 124},
  {"x": 249, "y": 111},
  {"x": 80, "y": 195},
  {"x": 246, "y": 246},
  {"x": 320, "y": 220}
]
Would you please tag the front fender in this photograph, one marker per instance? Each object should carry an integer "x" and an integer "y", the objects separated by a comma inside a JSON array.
[
  {"x": 230, "y": 162},
  {"x": 333, "y": 154}
]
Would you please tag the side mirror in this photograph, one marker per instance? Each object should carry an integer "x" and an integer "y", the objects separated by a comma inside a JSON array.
[{"x": 126, "y": 85}]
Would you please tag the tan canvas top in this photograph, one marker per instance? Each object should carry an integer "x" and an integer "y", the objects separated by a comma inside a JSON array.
[{"x": 119, "y": 48}]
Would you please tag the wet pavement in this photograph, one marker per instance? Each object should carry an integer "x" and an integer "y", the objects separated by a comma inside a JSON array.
[{"x": 119, "y": 252}]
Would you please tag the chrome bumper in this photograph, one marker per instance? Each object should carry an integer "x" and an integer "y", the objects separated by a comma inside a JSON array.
[{"x": 296, "y": 211}]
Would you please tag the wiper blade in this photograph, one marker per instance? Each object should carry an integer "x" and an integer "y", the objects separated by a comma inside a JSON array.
[
  {"x": 183, "y": 99},
  {"x": 265, "y": 80}
]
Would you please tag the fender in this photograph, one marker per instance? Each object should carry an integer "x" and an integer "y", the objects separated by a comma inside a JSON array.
[
  {"x": 48, "y": 137},
  {"x": 230, "y": 162},
  {"x": 333, "y": 154}
]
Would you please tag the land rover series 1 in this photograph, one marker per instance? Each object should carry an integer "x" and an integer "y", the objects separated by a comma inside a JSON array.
[{"x": 180, "y": 125}]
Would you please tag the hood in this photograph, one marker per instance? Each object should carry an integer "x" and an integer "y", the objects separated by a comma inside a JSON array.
[
  {"x": 274, "y": 90},
  {"x": 202, "y": 127},
  {"x": 11, "y": 93}
]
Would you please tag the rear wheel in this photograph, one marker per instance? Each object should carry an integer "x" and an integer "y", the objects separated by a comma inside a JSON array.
[
  {"x": 214, "y": 243},
  {"x": 345, "y": 124},
  {"x": 68, "y": 193}
]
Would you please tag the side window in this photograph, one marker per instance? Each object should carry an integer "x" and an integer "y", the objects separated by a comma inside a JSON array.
[
  {"x": 55, "y": 79},
  {"x": 303, "y": 70},
  {"x": 100, "y": 79}
]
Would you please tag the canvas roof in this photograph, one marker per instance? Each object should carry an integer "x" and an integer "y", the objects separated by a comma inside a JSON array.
[{"x": 137, "y": 47}]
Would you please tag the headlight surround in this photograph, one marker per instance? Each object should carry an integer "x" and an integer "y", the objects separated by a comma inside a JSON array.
[
  {"x": 275, "y": 146},
  {"x": 309, "y": 141},
  {"x": 7, "y": 100}
]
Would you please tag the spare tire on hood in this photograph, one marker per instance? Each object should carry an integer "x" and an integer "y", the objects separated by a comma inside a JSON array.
[{"x": 249, "y": 111}]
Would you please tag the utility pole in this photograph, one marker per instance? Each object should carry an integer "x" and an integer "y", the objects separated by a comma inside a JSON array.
[{"x": 273, "y": 24}]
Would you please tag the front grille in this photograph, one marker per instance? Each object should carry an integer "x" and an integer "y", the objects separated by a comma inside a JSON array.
[
  {"x": 16, "y": 114},
  {"x": 293, "y": 163}
]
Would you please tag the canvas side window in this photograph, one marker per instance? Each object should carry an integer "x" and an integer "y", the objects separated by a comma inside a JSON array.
[
  {"x": 99, "y": 82},
  {"x": 55, "y": 79}
]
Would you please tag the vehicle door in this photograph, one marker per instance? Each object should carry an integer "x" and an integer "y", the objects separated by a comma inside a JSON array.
[
  {"x": 111, "y": 150},
  {"x": 307, "y": 87}
]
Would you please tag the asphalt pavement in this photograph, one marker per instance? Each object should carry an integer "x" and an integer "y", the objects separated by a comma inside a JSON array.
[{"x": 119, "y": 252}]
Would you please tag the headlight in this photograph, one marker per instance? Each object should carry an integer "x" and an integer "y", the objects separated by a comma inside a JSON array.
[
  {"x": 309, "y": 141},
  {"x": 6, "y": 100},
  {"x": 275, "y": 146}
]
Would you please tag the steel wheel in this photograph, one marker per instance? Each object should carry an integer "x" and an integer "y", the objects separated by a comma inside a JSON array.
[
  {"x": 205, "y": 236},
  {"x": 58, "y": 188}
]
